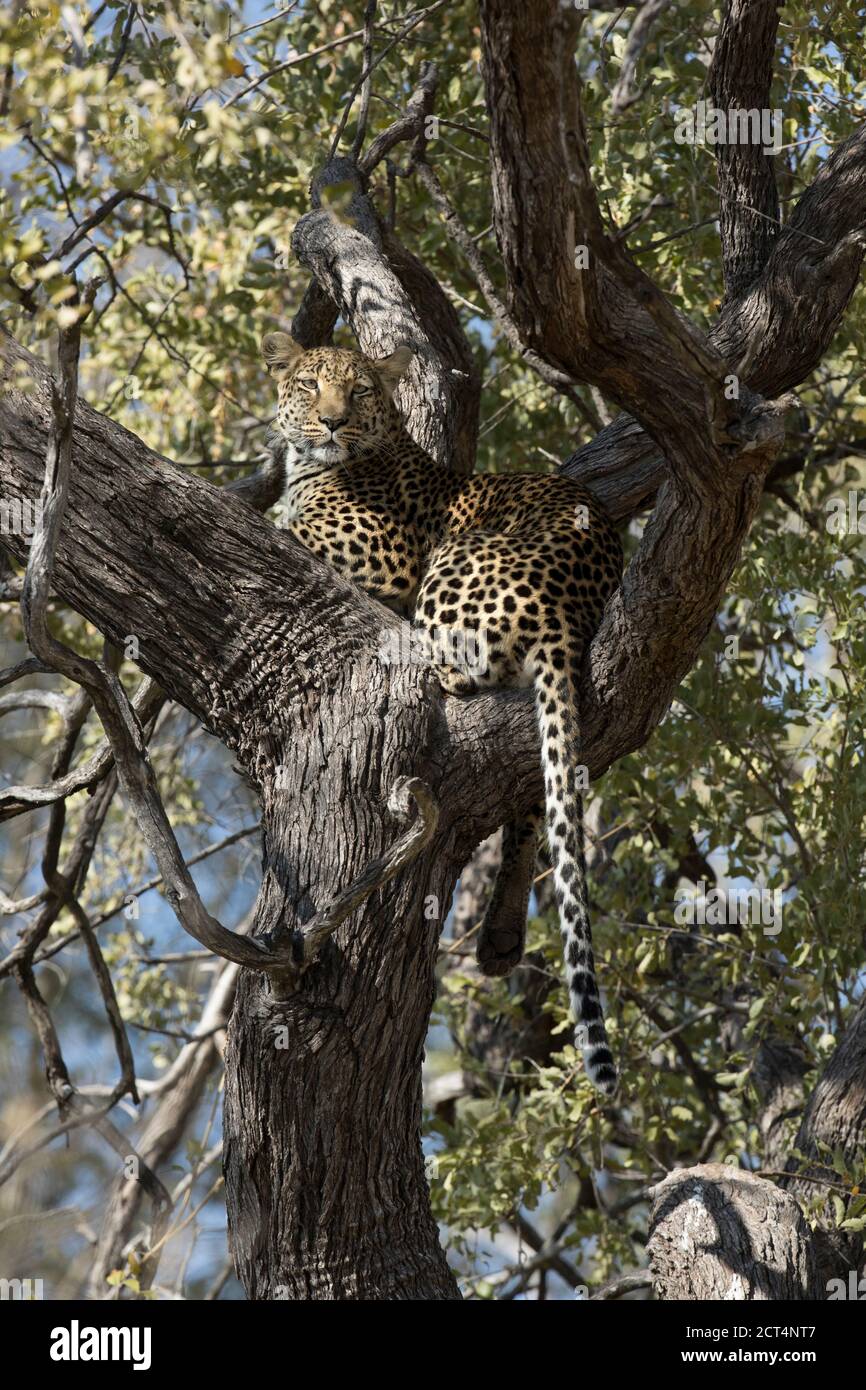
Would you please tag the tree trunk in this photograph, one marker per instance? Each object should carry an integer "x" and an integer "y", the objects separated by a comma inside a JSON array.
[{"x": 327, "y": 1195}]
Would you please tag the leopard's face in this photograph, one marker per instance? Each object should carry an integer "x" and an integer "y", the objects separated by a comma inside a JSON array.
[{"x": 334, "y": 405}]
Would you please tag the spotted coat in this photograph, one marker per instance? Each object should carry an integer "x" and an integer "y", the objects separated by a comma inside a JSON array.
[{"x": 523, "y": 564}]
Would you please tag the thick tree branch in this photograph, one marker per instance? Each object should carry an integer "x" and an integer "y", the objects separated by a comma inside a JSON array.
[
  {"x": 440, "y": 397},
  {"x": 586, "y": 308},
  {"x": 207, "y": 587},
  {"x": 380, "y": 291},
  {"x": 458, "y": 233},
  {"x": 314, "y": 321},
  {"x": 719, "y": 1233},
  {"x": 774, "y": 334},
  {"x": 740, "y": 77}
]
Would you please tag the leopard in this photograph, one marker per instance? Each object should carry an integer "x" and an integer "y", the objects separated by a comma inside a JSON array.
[{"x": 526, "y": 561}]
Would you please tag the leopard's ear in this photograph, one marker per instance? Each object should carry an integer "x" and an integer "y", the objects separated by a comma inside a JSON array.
[
  {"x": 280, "y": 352},
  {"x": 390, "y": 369}
]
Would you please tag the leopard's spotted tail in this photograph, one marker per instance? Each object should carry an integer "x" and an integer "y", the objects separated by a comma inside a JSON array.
[{"x": 556, "y": 703}]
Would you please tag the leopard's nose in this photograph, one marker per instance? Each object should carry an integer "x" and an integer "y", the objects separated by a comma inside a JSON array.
[{"x": 332, "y": 423}]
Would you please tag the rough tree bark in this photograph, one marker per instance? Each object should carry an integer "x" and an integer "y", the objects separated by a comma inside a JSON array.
[
  {"x": 744, "y": 1236},
  {"x": 719, "y": 1233},
  {"x": 279, "y": 658}
]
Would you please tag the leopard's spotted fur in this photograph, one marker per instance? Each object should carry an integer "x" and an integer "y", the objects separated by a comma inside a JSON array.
[{"x": 528, "y": 559}]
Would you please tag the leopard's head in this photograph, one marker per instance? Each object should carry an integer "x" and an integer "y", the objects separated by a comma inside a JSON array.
[{"x": 333, "y": 404}]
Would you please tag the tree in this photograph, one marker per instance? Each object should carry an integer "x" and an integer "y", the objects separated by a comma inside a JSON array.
[{"x": 147, "y": 233}]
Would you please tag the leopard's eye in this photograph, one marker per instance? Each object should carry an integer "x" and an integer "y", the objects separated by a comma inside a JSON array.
[
  {"x": 360, "y": 389},
  {"x": 308, "y": 383}
]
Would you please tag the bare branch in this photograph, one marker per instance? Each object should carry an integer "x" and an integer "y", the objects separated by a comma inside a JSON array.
[
  {"x": 367, "y": 80},
  {"x": 293, "y": 62},
  {"x": 28, "y": 667},
  {"x": 626, "y": 91},
  {"x": 624, "y": 1283},
  {"x": 178, "y": 1092},
  {"x": 15, "y": 800},
  {"x": 412, "y": 23},
  {"x": 62, "y": 942},
  {"x": 308, "y": 940}
]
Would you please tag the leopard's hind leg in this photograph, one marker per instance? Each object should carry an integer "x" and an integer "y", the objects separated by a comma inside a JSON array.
[{"x": 502, "y": 934}]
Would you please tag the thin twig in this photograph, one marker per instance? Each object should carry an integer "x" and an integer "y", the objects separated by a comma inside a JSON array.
[
  {"x": 407, "y": 28},
  {"x": 293, "y": 63}
]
